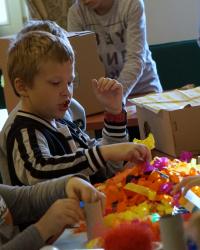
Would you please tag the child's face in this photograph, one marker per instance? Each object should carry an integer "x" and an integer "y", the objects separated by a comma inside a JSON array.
[
  {"x": 98, "y": 5},
  {"x": 51, "y": 92}
]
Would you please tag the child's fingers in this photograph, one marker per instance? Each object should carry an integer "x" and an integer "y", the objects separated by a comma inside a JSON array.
[
  {"x": 191, "y": 184},
  {"x": 105, "y": 84},
  {"x": 94, "y": 82},
  {"x": 109, "y": 85},
  {"x": 73, "y": 210},
  {"x": 90, "y": 195},
  {"x": 93, "y": 195},
  {"x": 102, "y": 83},
  {"x": 147, "y": 155},
  {"x": 72, "y": 215},
  {"x": 94, "y": 85},
  {"x": 135, "y": 156},
  {"x": 116, "y": 86},
  {"x": 144, "y": 152},
  {"x": 87, "y": 193},
  {"x": 177, "y": 188},
  {"x": 102, "y": 198},
  {"x": 186, "y": 183}
]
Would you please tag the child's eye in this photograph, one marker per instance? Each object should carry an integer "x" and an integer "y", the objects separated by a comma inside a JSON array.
[{"x": 55, "y": 83}]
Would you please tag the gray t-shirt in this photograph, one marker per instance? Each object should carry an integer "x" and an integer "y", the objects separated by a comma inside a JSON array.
[{"x": 122, "y": 43}]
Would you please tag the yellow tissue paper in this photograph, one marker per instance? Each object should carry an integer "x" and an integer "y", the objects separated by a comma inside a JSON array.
[
  {"x": 141, "y": 190},
  {"x": 149, "y": 141}
]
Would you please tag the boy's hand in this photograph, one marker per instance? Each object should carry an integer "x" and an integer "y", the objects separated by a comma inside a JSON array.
[
  {"x": 136, "y": 153},
  {"x": 63, "y": 212},
  {"x": 187, "y": 183},
  {"x": 67, "y": 211},
  {"x": 109, "y": 92},
  {"x": 80, "y": 189}
]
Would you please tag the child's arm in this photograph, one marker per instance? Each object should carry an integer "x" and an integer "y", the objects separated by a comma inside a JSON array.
[
  {"x": 136, "y": 153},
  {"x": 31, "y": 159},
  {"x": 39, "y": 164},
  {"x": 28, "y": 203},
  {"x": 109, "y": 93},
  {"x": 136, "y": 50},
  {"x": 187, "y": 183},
  {"x": 77, "y": 189},
  {"x": 63, "y": 212},
  {"x": 28, "y": 239},
  {"x": 36, "y": 162}
]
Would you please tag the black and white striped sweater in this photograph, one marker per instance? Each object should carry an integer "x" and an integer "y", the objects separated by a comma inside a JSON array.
[{"x": 37, "y": 151}]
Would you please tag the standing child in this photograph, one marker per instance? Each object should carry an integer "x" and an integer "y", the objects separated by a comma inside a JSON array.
[
  {"x": 41, "y": 144},
  {"x": 120, "y": 27},
  {"x": 49, "y": 206}
]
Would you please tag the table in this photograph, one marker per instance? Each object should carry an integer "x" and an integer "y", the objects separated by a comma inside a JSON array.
[
  {"x": 70, "y": 241},
  {"x": 96, "y": 121}
]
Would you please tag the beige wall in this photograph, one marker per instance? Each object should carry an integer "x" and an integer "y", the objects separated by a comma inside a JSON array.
[{"x": 172, "y": 20}]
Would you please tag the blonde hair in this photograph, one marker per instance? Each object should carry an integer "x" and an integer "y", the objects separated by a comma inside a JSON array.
[{"x": 32, "y": 49}]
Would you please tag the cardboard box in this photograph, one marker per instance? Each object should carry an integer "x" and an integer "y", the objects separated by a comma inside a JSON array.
[
  {"x": 88, "y": 66},
  {"x": 173, "y": 118}
]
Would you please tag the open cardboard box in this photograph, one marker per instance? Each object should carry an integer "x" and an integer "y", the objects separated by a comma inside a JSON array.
[
  {"x": 88, "y": 66},
  {"x": 174, "y": 119}
]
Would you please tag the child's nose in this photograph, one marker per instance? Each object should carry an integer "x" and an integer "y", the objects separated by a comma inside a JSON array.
[{"x": 66, "y": 91}]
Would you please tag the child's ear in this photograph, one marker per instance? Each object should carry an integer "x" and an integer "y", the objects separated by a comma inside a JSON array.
[{"x": 20, "y": 87}]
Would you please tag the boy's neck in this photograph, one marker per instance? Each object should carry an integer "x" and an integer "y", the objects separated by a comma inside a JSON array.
[
  {"x": 26, "y": 109},
  {"x": 105, "y": 8}
]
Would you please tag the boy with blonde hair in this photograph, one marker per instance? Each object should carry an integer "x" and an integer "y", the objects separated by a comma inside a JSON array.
[
  {"x": 75, "y": 112},
  {"x": 41, "y": 144}
]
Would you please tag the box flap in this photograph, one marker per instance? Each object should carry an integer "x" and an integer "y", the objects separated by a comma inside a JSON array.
[
  {"x": 171, "y": 100},
  {"x": 160, "y": 126},
  {"x": 185, "y": 124}
]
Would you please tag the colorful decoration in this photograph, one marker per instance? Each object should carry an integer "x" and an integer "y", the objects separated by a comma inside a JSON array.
[
  {"x": 185, "y": 156},
  {"x": 143, "y": 193},
  {"x": 129, "y": 236},
  {"x": 138, "y": 196},
  {"x": 149, "y": 141}
]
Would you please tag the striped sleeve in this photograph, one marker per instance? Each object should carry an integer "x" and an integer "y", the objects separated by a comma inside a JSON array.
[
  {"x": 34, "y": 162},
  {"x": 115, "y": 129}
]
